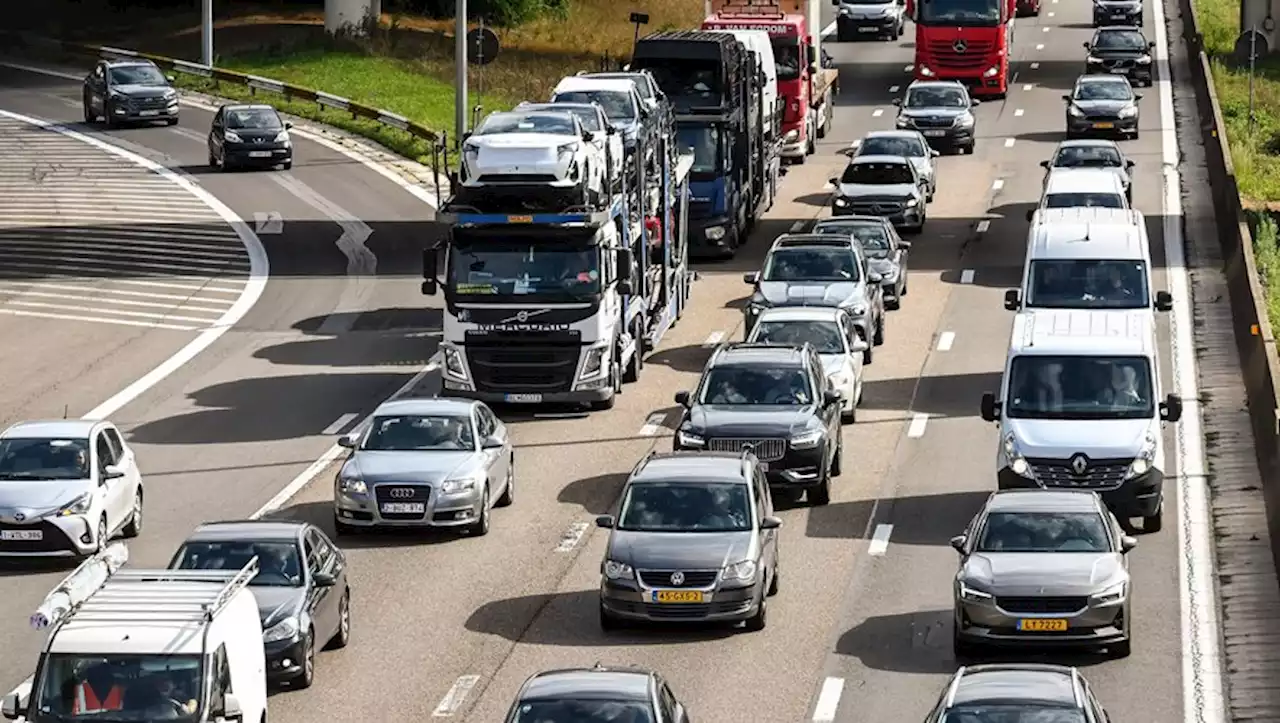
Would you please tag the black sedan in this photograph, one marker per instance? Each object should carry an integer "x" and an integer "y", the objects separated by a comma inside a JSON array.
[
  {"x": 1102, "y": 104},
  {"x": 129, "y": 91},
  {"x": 249, "y": 136},
  {"x": 597, "y": 694},
  {"x": 304, "y": 598},
  {"x": 1121, "y": 51}
]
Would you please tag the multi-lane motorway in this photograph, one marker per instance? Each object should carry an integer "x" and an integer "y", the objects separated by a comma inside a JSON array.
[{"x": 451, "y": 626}]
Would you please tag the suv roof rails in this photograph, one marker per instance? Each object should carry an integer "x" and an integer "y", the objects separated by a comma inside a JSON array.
[{"x": 762, "y": 345}]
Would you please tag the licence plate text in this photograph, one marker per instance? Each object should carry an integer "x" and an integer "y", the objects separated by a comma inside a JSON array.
[
  {"x": 1119, "y": 71},
  {"x": 935, "y": 134},
  {"x": 678, "y": 596},
  {"x": 404, "y": 508},
  {"x": 1104, "y": 125},
  {"x": 867, "y": 30},
  {"x": 259, "y": 154},
  {"x": 1043, "y": 625},
  {"x": 148, "y": 113},
  {"x": 523, "y": 398},
  {"x": 22, "y": 535}
]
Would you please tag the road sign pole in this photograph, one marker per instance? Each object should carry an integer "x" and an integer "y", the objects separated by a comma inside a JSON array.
[
  {"x": 460, "y": 61},
  {"x": 206, "y": 32}
]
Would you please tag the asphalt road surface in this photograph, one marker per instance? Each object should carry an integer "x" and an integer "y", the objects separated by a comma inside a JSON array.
[{"x": 451, "y": 626}]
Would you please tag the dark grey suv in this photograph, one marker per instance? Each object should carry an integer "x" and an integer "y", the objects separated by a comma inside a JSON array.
[
  {"x": 694, "y": 540},
  {"x": 1018, "y": 692}
]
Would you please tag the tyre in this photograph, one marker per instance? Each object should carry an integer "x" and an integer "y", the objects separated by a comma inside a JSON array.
[
  {"x": 607, "y": 621},
  {"x": 632, "y": 373},
  {"x": 171, "y": 121},
  {"x": 893, "y": 304},
  {"x": 1121, "y": 649},
  {"x": 820, "y": 495},
  {"x": 213, "y": 162},
  {"x": 605, "y": 404},
  {"x": 89, "y": 116},
  {"x": 837, "y": 462},
  {"x": 104, "y": 535},
  {"x": 308, "y": 674},
  {"x": 878, "y": 339},
  {"x": 134, "y": 527},
  {"x": 343, "y": 635},
  {"x": 963, "y": 649},
  {"x": 1155, "y": 522},
  {"x": 480, "y": 527},
  {"x": 773, "y": 582},
  {"x": 756, "y": 622},
  {"x": 509, "y": 490},
  {"x": 287, "y": 165},
  {"x": 850, "y": 415}
]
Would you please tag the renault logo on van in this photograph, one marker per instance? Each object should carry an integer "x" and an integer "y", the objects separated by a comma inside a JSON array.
[{"x": 1079, "y": 464}]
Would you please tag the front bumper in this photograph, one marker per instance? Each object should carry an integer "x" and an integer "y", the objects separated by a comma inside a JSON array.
[
  {"x": 271, "y": 154},
  {"x": 71, "y": 536},
  {"x": 1082, "y": 126},
  {"x": 440, "y": 510},
  {"x": 989, "y": 624},
  {"x": 972, "y": 77},
  {"x": 951, "y": 137},
  {"x": 1136, "y": 72},
  {"x": 700, "y": 245},
  {"x": 284, "y": 659},
  {"x": 906, "y": 218},
  {"x": 1137, "y": 497},
  {"x": 629, "y": 600},
  {"x": 129, "y": 113},
  {"x": 870, "y": 27}
]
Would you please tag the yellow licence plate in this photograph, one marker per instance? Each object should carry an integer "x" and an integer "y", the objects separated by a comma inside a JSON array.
[
  {"x": 677, "y": 596},
  {"x": 1043, "y": 625},
  {"x": 1104, "y": 125}
]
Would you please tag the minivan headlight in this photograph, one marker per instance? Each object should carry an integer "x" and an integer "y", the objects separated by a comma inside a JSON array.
[
  {"x": 615, "y": 570},
  {"x": 1142, "y": 461},
  {"x": 1113, "y": 594},
  {"x": 1017, "y": 462}
]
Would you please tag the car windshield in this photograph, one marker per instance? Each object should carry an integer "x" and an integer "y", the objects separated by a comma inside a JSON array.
[
  {"x": 936, "y": 97},
  {"x": 825, "y": 336},
  {"x": 419, "y": 432},
  {"x": 1088, "y": 284},
  {"x": 1006, "y": 713},
  {"x": 891, "y": 146},
  {"x": 1083, "y": 200},
  {"x": 705, "y": 142},
  {"x": 617, "y": 105},
  {"x": 588, "y": 117},
  {"x": 261, "y": 119},
  {"x": 581, "y": 711},
  {"x": 734, "y": 385},
  {"x": 1119, "y": 40},
  {"x": 1080, "y": 387},
  {"x": 1103, "y": 90},
  {"x": 1044, "y": 532},
  {"x": 500, "y": 269},
  {"x": 682, "y": 507},
  {"x": 786, "y": 57},
  {"x": 42, "y": 458},
  {"x": 556, "y": 124},
  {"x": 983, "y": 13},
  {"x": 1088, "y": 157},
  {"x": 871, "y": 236},
  {"x": 137, "y": 75},
  {"x": 119, "y": 688},
  {"x": 811, "y": 264},
  {"x": 877, "y": 174},
  {"x": 279, "y": 562}
]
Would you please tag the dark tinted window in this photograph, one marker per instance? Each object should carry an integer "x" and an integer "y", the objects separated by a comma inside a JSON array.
[
  {"x": 1029, "y": 713},
  {"x": 936, "y": 96},
  {"x": 1103, "y": 90},
  {"x": 1084, "y": 200},
  {"x": 757, "y": 385},
  {"x": 137, "y": 75},
  {"x": 1088, "y": 157},
  {"x": 891, "y": 146},
  {"x": 559, "y": 124},
  {"x": 811, "y": 264},
  {"x": 1088, "y": 284},
  {"x": 51, "y": 459},
  {"x": 581, "y": 711},
  {"x": 1044, "y": 532},
  {"x": 1080, "y": 387},
  {"x": 617, "y": 104},
  {"x": 263, "y": 119},
  {"x": 825, "y": 336},
  {"x": 877, "y": 174},
  {"x": 1119, "y": 40},
  {"x": 675, "y": 507},
  {"x": 279, "y": 563},
  {"x": 404, "y": 433}
]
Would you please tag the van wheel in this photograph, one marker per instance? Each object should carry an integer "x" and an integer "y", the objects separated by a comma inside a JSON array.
[
  {"x": 134, "y": 528},
  {"x": 308, "y": 674}
]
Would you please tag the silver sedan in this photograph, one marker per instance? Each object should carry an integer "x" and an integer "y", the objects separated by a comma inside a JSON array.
[{"x": 425, "y": 463}]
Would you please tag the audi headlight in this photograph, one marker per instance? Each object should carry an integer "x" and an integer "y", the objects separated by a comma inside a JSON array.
[
  {"x": 353, "y": 486},
  {"x": 453, "y": 364},
  {"x": 808, "y": 440},
  {"x": 1144, "y": 60},
  {"x": 233, "y": 137},
  {"x": 974, "y": 595},
  {"x": 282, "y": 137},
  {"x": 689, "y": 439},
  {"x": 78, "y": 506},
  {"x": 615, "y": 570},
  {"x": 594, "y": 362},
  {"x": 1112, "y": 595},
  {"x": 715, "y": 233},
  {"x": 454, "y": 486},
  {"x": 1142, "y": 462},
  {"x": 964, "y": 120},
  {"x": 991, "y": 72},
  {"x": 1017, "y": 463},
  {"x": 745, "y": 571},
  {"x": 1075, "y": 112},
  {"x": 286, "y": 629},
  {"x": 1129, "y": 112}
]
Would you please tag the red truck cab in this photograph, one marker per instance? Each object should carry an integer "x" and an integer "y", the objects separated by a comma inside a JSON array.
[{"x": 965, "y": 40}]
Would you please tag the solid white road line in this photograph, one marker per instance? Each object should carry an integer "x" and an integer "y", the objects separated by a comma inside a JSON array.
[
  {"x": 457, "y": 695},
  {"x": 997, "y": 184},
  {"x": 893, "y": 89},
  {"x": 880, "y": 540},
  {"x": 877, "y": 112},
  {"x": 828, "y": 700},
  {"x": 918, "y": 422},
  {"x": 99, "y": 320},
  {"x": 945, "y": 340},
  {"x": 653, "y": 424},
  {"x": 1046, "y": 28},
  {"x": 714, "y": 338},
  {"x": 340, "y": 423},
  {"x": 572, "y": 536},
  {"x": 966, "y": 276},
  {"x": 983, "y": 226}
]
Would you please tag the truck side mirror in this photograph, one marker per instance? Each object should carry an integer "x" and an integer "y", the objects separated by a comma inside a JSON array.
[
  {"x": 430, "y": 273},
  {"x": 1129, "y": 165},
  {"x": 1171, "y": 409},
  {"x": 625, "y": 287},
  {"x": 1164, "y": 301},
  {"x": 811, "y": 55},
  {"x": 1012, "y": 300},
  {"x": 990, "y": 407}
]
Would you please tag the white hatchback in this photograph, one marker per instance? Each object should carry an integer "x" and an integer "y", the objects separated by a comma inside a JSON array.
[{"x": 832, "y": 334}]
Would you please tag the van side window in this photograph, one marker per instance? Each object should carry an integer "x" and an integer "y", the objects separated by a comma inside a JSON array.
[{"x": 221, "y": 681}]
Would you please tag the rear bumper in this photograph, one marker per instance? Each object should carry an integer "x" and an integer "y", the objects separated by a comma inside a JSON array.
[{"x": 580, "y": 396}]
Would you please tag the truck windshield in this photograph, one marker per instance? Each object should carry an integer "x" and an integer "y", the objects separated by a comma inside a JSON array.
[
  {"x": 705, "y": 142},
  {"x": 1088, "y": 284},
  {"x": 786, "y": 57},
  {"x": 119, "y": 688},
  {"x": 524, "y": 270},
  {"x": 1080, "y": 387},
  {"x": 980, "y": 13}
]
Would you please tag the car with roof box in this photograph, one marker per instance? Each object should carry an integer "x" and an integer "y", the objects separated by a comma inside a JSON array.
[
  {"x": 1121, "y": 50},
  {"x": 885, "y": 251},
  {"x": 595, "y": 694},
  {"x": 249, "y": 136},
  {"x": 888, "y": 186},
  {"x": 942, "y": 110},
  {"x": 1043, "y": 568},
  {"x": 1017, "y": 692},
  {"x": 129, "y": 91},
  {"x": 1092, "y": 153},
  {"x": 694, "y": 540},
  {"x": 819, "y": 270},
  {"x": 1102, "y": 104},
  {"x": 1081, "y": 188},
  {"x": 832, "y": 334},
  {"x": 909, "y": 144},
  {"x": 775, "y": 399}
]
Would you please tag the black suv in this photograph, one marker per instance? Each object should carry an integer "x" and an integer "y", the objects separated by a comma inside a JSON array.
[
  {"x": 775, "y": 399},
  {"x": 1121, "y": 50},
  {"x": 129, "y": 91},
  {"x": 597, "y": 693},
  {"x": 1021, "y": 691}
]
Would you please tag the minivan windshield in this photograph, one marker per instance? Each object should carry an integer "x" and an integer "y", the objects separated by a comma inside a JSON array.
[
  {"x": 119, "y": 688},
  {"x": 1044, "y": 532},
  {"x": 676, "y": 507},
  {"x": 1080, "y": 387},
  {"x": 1088, "y": 284}
]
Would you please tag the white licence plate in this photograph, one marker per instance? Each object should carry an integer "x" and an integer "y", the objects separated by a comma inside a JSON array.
[
  {"x": 404, "y": 508},
  {"x": 259, "y": 154},
  {"x": 935, "y": 134},
  {"x": 22, "y": 535},
  {"x": 1118, "y": 17},
  {"x": 523, "y": 398},
  {"x": 1119, "y": 71},
  {"x": 148, "y": 113},
  {"x": 867, "y": 30}
]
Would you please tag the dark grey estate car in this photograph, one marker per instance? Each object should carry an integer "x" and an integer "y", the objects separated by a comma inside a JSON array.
[
  {"x": 695, "y": 539},
  {"x": 129, "y": 91},
  {"x": 598, "y": 693},
  {"x": 1102, "y": 104},
  {"x": 1017, "y": 692}
]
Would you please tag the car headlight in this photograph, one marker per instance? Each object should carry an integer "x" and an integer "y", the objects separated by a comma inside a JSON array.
[
  {"x": 78, "y": 506},
  {"x": 791, "y": 137},
  {"x": 454, "y": 486},
  {"x": 615, "y": 570},
  {"x": 841, "y": 202},
  {"x": 171, "y": 94},
  {"x": 283, "y": 630},
  {"x": 1113, "y": 594},
  {"x": 904, "y": 121},
  {"x": 857, "y": 309},
  {"x": 1092, "y": 60},
  {"x": 282, "y": 137},
  {"x": 974, "y": 595},
  {"x": 233, "y": 137},
  {"x": 453, "y": 363},
  {"x": 745, "y": 571},
  {"x": 593, "y": 363},
  {"x": 925, "y": 70},
  {"x": 1075, "y": 112},
  {"x": 808, "y": 440},
  {"x": 1129, "y": 112},
  {"x": 1017, "y": 463},
  {"x": 1144, "y": 60},
  {"x": 991, "y": 72},
  {"x": 964, "y": 120},
  {"x": 839, "y": 379},
  {"x": 912, "y": 203},
  {"x": 470, "y": 148},
  {"x": 566, "y": 149},
  {"x": 353, "y": 486},
  {"x": 714, "y": 233},
  {"x": 689, "y": 439},
  {"x": 1142, "y": 462},
  {"x": 845, "y": 11}
]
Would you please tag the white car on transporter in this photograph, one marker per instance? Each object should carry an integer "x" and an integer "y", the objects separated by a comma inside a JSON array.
[
  {"x": 531, "y": 159},
  {"x": 606, "y": 138}
]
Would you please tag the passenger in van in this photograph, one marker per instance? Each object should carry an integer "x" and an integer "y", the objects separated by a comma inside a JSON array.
[
  {"x": 98, "y": 692},
  {"x": 1124, "y": 387},
  {"x": 1107, "y": 282},
  {"x": 1043, "y": 390}
]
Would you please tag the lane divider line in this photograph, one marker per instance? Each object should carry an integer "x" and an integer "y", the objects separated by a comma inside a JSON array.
[
  {"x": 653, "y": 424},
  {"x": 946, "y": 340},
  {"x": 572, "y": 536},
  {"x": 1052, "y": 14},
  {"x": 877, "y": 113},
  {"x": 997, "y": 184},
  {"x": 1018, "y": 113},
  {"x": 714, "y": 338},
  {"x": 1046, "y": 28},
  {"x": 1008, "y": 142},
  {"x": 456, "y": 696},
  {"x": 918, "y": 423},
  {"x": 828, "y": 700},
  {"x": 966, "y": 276},
  {"x": 880, "y": 540},
  {"x": 340, "y": 424},
  {"x": 1028, "y": 86},
  {"x": 893, "y": 89},
  {"x": 795, "y": 227},
  {"x": 1040, "y": 46},
  {"x": 983, "y": 226}
]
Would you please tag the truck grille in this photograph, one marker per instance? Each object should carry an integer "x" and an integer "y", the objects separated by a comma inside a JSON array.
[
  {"x": 1042, "y": 604},
  {"x": 1100, "y": 474},
  {"x": 692, "y": 578},
  {"x": 520, "y": 368},
  {"x": 765, "y": 450},
  {"x": 944, "y": 56},
  {"x": 383, "y": 493}
]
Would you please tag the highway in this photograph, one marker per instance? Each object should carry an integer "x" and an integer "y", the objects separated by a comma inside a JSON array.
[{"x": 452, "y": 626}]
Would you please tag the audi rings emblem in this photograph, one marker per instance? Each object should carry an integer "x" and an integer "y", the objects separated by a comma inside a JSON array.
[
  {"x": 402, "y": 493},
  {"x": 960, "y": 45},
  {"x": 677, "y": 578}
]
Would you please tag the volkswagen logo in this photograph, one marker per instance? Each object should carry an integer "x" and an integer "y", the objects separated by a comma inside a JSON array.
[
  {"x": 1079, "y": 464},
  {"x": 960, "y": 45},
  {"x": 402, "y": 493},
  {"x": 677, "y": 578},
  {"x": 19, "y": 517},
  {"x": 522, "y": 316}
]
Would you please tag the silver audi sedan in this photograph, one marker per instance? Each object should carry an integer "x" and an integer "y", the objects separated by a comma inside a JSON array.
[{"x": 425, "y": 463}]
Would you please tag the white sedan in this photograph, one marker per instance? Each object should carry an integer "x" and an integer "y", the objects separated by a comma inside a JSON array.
[{"x": 832, "y": 334}]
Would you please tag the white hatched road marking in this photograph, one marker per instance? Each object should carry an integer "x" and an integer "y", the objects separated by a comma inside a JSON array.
[{"x": 92, "y": 238}]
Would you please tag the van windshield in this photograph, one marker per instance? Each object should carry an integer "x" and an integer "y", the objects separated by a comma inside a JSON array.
[
  {"x": 119, "y": 688},
  {"x": 1088, "y": 284},
  {"x": 1080, "y": 387}
]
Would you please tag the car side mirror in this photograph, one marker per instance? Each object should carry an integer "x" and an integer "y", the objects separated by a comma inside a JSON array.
[
  {"x": 1164, "y": 301},
  {"x": 835, "y": 182},
  {"x": 605, "y": 521},
  {"x": 1171, "y": 409},
  {"x": 857, "y": 346},
  {"x": 430, "y": 273},
  {"x": 9, "y": 707},
  {"x": 1151, "y": 46},
  {"x": 904, "y": 245},
  {"x": 288, "y": 125},
  {"x": 1127, "y": 543},
  {"x": 231, "y": 710},
  {"x": 172, "y": 79},
  {"x": 682, "y": 398},
  {"x": 831, "y": 397},
  {"x": 751, "y": 278},
  {"x": 588, "y": 136},
  {"x": 347, "y": 441},
  {"x": 1129, "y": 165},
  {"x": 1044, "y": 165},
  {"x": 770, "y": 523},
  {"x": 111, "y": 471},
  {"x": 990, "y": 407},
  {"x": 897, "y": 102},
  {"x": 1012, "y": 300},
  {"x": 934, "y": 152},
  {"x": 1087, "y": 46},
  {"x": 324, "y": 579},
  {"x": 1031, "y": 215},
  {"x": 835, "y": 2},
  {"x": 958, "y": 543},
  {"x": 493, "y": 441},
  {"x": 974, "y": 103},
  {"x": 611, "y": 131},
  {"x": 1137, "y": 97},
  {"x": 1067, "y": 98}
]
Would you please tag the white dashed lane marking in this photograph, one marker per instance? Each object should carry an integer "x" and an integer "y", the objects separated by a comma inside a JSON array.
[
  {"x": 997, "y": 184},
  {"x": 653, "y": 424},
  {"x": 714, "y": 338},
  {"x": 1028, "y": 86},
  {"x": 893, "y": 89},
  {"x": 828, "y": 700},
  {"x": 877, "y": 112},
  {"x": 1018, "y": 113},
  {"x": 880, "y": 540},
  {"x": 88, "y": 237},
  {"x": 983, "y": 226},
  {"x": 946, "y": 340},
  {"x": 918, "y": 422},
  {"x": 1035, "y": 66},
  {"x": 1040, "y": 46},
  {"x": 966, "y": 276}
]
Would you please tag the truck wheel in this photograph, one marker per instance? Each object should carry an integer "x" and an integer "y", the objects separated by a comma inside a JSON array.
[
  {"x": 810, "y": 144},
  {"x": 632, "y": 374}
]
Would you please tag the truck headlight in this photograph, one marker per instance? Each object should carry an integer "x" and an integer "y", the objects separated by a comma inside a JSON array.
[
  {"x": 1142, "y": 462},
  {"x": 714, "y": 233},
  {"x": 78, "y": 506},
  {"x": 454, "y": 486},
  {"x": 615, "y": 570},
  {"x": 974, "y": 595},
  {"x": 1129, "y": 112},
  {"x": 286, "y": 629},
  {"x": 808, "y": 440},
  {"x": 1113, "y": 594},
  {"x": 453, "y": 364},
  {"x": 593, "y": 362},
  {"x": 792, "y": 136},
  {"x": 991, "y": 72},
  {"x": 689, "y": 439},
  {"x": 353, "y": 486},
  {"x": 745, "y": 571},
  {"x": 1016, "y": 461}
]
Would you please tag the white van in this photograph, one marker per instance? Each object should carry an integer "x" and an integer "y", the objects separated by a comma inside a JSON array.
[
  {"x": 136, "y": 646},
  {"x": 1081, "y": 188},
  {"x": 758, "y": 44},
  {"x": 1087, "y": 258},
  {"x": 1079, "y": 408}
]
